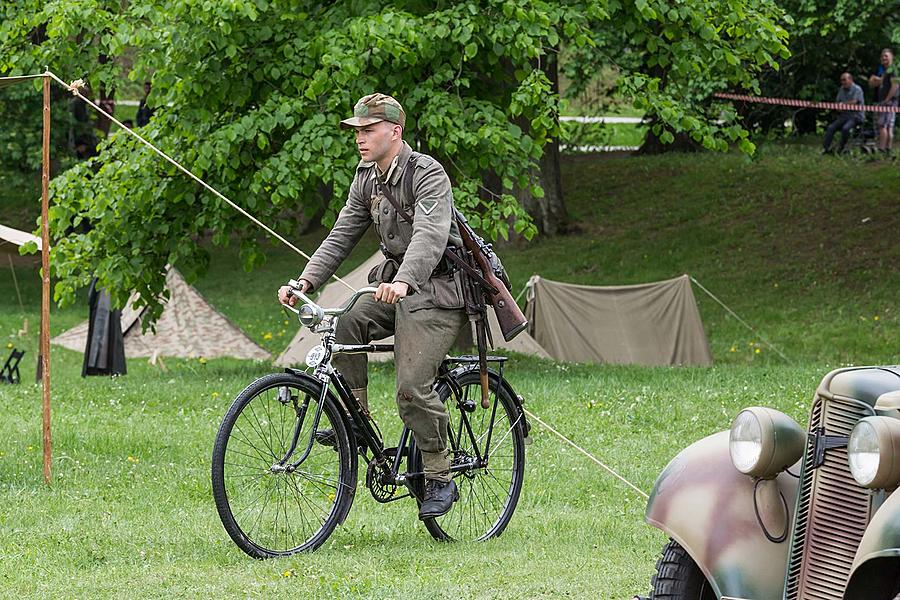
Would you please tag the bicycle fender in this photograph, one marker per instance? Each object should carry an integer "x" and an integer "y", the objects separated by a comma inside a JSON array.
[
  {"x": 354, "y": 466},
  {"x": 701, "y": 501},
  {"x": 517, "y": 399}
]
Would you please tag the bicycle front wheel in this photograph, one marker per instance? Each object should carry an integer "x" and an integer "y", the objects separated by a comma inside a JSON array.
[
  {"x": 269, "y": 505},
  {"x": 489, "y": 492}
]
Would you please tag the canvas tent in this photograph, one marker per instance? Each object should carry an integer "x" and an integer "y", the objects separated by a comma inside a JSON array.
[
  {"x": 11, "y": 239},
  {"x": 335, "y": 293},
  {"x": 189, "y": 328},
  {"x": 648, "y": 324}
]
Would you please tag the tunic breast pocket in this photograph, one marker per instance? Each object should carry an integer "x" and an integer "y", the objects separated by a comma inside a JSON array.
[{"x": 375, "y": 207}]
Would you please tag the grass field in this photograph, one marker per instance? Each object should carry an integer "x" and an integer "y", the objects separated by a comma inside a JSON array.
[{"x": 802, "y": 248}]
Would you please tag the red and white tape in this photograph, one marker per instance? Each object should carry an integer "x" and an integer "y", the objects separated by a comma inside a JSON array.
[{"x": 807, "y": 104}]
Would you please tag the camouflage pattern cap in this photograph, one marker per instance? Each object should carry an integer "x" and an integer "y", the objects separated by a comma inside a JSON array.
[{"x": 374, "y": 108}]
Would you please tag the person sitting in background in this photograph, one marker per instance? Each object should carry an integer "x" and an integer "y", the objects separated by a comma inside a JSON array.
[
  {"x": 849, "y": 93},
  {"x": 886, "y": 94}
]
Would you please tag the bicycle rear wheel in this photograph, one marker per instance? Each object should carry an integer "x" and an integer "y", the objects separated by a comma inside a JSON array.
[
  {"x": 268, "y": 507},
  {"x": 488, "y": 495}
]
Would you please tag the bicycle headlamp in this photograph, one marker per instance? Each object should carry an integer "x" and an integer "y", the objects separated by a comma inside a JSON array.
[
  {"x": 874, "y": 452},
  {"x": 763, "y": 442},
  {"x": 311, "y": 314}
]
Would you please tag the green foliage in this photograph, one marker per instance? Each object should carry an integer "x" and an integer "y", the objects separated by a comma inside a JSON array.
[
  {"x": 828, "y": 37},
  {"x": 672, "y": 56},
  {"x": 249, "y": 94}
]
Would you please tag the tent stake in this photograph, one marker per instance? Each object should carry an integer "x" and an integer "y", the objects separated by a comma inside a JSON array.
[{"x": 45, "y": 275}]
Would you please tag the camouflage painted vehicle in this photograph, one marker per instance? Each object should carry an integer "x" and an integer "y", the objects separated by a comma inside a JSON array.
[{"x": 768, "y": 511}]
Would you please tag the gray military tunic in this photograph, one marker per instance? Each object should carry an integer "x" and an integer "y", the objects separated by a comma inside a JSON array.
[{"x": 426, "y": 323}]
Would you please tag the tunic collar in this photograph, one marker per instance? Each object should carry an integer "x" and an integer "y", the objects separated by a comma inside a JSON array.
[{"x": 397, "y": 165}]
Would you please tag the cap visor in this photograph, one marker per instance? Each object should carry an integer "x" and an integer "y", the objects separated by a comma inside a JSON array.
[{"x": 359, "y": 122}]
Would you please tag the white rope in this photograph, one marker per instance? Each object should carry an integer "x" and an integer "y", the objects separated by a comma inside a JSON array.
[
  {"x": 741, "y": 321},
  {"x": 588, "y": 454},
  {"x": 74, "y": 89}
]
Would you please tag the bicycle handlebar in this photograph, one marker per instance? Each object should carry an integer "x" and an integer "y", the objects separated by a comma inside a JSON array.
[{"x": 311, "y": 313}]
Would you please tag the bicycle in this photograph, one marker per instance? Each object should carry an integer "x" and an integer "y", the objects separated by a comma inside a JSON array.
[{"x": 279, "y": 491}]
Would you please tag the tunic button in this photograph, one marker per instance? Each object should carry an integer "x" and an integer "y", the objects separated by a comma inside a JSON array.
[
  {"x": 385, "y": 211},
  {"x": 390, "y": 236}
]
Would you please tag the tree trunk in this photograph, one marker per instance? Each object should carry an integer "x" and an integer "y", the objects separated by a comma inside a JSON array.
[
  {"x": 549, "y": 213},
  {"x": 653, "y": 145}
]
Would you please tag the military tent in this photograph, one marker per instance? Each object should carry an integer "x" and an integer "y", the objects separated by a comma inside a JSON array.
[
  {"x": 11, "y": 239},
  {"x": 189, "y": 327},
  {"x": 335, "y": 293},
  {"x": 647, "y": 324}
]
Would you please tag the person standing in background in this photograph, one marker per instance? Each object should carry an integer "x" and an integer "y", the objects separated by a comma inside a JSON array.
[{"x": 885, "y": 95}]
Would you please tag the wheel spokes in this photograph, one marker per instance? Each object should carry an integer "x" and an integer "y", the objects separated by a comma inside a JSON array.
[{"x": 279, "y": 511}]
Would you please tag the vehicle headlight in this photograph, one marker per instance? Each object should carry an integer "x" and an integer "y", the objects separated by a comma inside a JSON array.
[
  {"x": 311, "y": 314},
  {"x": 874, "y": 452},
  {"x": 764, "y": 442}
]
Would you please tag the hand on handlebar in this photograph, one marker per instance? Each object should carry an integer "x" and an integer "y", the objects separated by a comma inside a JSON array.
[
  {"x": 391, "y": 293},
  {"x": 286, "y": 295}
]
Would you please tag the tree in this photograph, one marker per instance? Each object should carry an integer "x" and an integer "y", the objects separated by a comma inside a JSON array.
[
  {"x": 249, "y": 93},
  {"x": 827, "y": 38},
  {"x": 672, "y": 56}
]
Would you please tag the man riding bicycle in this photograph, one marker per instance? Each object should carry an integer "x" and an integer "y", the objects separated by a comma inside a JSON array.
[{"x": 419, "y": 298}]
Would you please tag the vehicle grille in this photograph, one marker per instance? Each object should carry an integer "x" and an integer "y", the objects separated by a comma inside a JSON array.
[{"x": 832, "y": 511}]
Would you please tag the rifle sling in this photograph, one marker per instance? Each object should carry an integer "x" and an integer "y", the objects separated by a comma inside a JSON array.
[{"x": 470, "y": 271}]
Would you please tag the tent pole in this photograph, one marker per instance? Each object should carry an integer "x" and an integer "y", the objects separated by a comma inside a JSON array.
[
  {"x": 45, "y": 274},
  {"x": 12, "y": 269}
]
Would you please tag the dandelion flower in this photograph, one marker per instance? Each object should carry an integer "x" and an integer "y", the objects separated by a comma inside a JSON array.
[{"x": 267, "y": 336}]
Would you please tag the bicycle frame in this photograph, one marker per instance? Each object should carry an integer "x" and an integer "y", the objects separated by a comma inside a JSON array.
[{"x": 371, "y": 436}]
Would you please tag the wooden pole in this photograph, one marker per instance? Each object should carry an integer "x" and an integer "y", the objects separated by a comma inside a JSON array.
[{"x": 45, "y": 274}]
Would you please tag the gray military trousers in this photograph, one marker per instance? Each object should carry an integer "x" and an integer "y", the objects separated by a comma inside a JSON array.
[{"x": 422, "y": 339}]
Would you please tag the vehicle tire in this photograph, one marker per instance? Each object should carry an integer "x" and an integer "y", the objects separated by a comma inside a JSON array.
[
  {"x": 678, "y": 577},
  {"x": 487, "y": 496},
  {"x": 271, "y": 513}
]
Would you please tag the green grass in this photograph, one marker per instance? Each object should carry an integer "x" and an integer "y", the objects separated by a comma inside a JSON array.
[{"x": 131, "y": 506}]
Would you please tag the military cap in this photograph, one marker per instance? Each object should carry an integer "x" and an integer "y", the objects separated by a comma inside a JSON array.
[{"x": 374, "y": 108}]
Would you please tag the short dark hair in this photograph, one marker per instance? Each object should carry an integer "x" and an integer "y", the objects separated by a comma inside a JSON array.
[{"x": 883, "y": 50}]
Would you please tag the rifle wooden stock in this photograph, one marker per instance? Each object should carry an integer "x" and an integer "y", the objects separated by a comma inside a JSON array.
[{"x": 509, "y": 315}]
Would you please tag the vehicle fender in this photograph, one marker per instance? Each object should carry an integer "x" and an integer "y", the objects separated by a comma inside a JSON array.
[
  {"x": 876, "y": 568},
  {"x": 702, "y": 502}
]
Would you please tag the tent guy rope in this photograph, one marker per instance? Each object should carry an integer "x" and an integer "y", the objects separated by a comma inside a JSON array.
[
  {"x": 640, "y": 492},
  {"x": 75, "y": 88},
  {"x": 741, "y": 321}
]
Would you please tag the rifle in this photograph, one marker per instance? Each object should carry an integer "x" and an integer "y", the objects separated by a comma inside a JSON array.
[{"x": 509, "y": 315}]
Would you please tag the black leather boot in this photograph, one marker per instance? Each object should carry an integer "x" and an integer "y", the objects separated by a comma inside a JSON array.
[{"x": 439, "y": 498}]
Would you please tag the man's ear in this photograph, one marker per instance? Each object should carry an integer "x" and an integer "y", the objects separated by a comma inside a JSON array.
[{"x": 397, "y": 133}]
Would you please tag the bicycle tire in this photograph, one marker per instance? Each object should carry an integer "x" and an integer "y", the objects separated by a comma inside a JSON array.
[
  {"x": 468, "y": 519},
  {"x": 255, "y": 433}
]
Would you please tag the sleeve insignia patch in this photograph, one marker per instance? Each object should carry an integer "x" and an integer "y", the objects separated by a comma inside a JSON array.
[{"x": 428, "y": 205}]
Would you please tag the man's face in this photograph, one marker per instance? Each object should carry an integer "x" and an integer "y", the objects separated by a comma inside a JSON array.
[
  {"x": 887, "y": 58},
  {"x": 374, "y": 141},
  {"x": 846, "y": 81}
]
